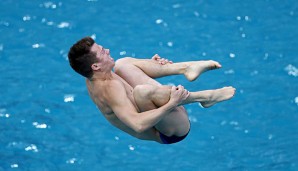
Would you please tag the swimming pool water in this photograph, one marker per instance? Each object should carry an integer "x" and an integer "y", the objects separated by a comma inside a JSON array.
[{"x": 48, "y": 122}]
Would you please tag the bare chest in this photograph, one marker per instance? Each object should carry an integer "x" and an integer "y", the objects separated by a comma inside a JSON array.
[{"x": 97, "y": 94}]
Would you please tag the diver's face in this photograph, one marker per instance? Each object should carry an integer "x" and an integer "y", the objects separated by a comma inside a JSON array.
[{"x": 103, "y": 56}]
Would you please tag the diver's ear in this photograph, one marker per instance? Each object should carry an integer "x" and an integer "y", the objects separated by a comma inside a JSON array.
[{"x": 95, "y": 67}]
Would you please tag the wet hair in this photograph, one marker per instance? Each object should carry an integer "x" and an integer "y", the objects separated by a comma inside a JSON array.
[{"x": 81, "y": 58}]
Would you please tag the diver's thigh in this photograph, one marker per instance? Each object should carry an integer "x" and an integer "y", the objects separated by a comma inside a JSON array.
[
  {"x": 133, "y": 75},
  {"x": 175, "y": 123}
]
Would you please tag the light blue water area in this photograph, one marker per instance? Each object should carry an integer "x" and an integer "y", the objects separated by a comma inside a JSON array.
[{"x": 48, "y": 122}]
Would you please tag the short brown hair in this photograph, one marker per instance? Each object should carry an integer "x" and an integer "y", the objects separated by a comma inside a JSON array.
[{"x": 81, "y": 58}]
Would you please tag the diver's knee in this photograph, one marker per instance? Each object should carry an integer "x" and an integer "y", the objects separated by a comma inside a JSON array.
[
  {"x": 124, "y": 61},
  {"x": 143, "y": 91},
  {"x": 121, "y": 63}
]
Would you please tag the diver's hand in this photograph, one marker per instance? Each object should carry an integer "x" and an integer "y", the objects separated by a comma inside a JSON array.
[
  {"x": 178, "y": 95},
  {"x": 160, "y": 60}
]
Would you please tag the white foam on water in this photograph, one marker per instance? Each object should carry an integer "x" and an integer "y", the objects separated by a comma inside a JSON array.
[{"x": 292, "y": 70}]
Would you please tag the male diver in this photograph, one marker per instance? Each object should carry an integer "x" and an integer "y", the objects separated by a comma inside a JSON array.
[{"x": 131, "y": 100}]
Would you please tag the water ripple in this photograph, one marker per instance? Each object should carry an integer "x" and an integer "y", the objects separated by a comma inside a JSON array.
[{"x": 292, "y": 70}]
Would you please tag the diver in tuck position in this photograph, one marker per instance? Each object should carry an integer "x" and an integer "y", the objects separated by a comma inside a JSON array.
[{"x": 130, "y": 98}]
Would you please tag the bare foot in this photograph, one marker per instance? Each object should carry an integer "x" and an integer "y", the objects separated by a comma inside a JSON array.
[
  {"x": 195, "y": 69},
  {"x": 219, "y": 95}
]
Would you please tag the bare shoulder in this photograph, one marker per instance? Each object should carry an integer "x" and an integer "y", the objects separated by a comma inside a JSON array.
[
  {"x": 103, "y": 86},
  {"x": 114, "y": 89},
  {"x": 105, "y": 90},
  {"x": 103, "y": 93},
  {"x": 114, "y": 84}
]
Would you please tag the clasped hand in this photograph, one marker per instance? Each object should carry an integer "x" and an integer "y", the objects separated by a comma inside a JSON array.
[
  {"x": 178, "y": 95},
  {"x": 160, "y": 60}
]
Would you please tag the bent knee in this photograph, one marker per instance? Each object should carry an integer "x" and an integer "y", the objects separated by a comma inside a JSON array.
[
  {"x": 143, "y": 91},
  {"x": 123, "y": 61}
]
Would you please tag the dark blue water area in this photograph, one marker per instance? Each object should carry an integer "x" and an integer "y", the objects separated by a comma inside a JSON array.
[{"x": 48, "y": 122}]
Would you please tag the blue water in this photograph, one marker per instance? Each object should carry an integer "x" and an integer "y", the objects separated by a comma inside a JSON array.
[{"x": 48, "y": 122}]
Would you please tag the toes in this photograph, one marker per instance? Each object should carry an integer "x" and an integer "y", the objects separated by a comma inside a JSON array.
[
  {"x": 217, "y": 65},
  {"x": 214, "y": 65}
]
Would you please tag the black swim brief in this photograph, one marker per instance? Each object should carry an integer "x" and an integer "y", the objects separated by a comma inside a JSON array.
[{"x": 172, "y": 139}]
